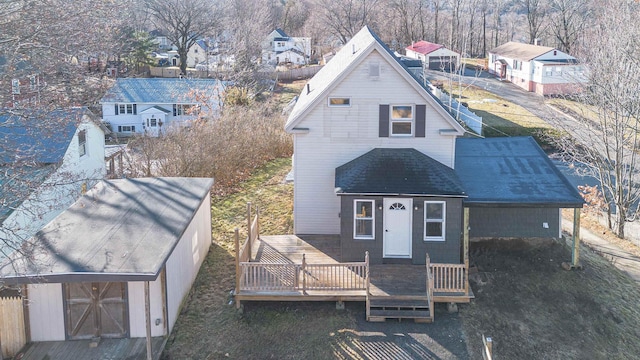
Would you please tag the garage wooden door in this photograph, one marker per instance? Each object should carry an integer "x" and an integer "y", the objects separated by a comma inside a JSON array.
[{"x": 96, "y": 310}]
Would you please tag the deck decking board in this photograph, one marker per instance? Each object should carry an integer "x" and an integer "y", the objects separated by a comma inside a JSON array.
[{"x": 385, "y": 280}]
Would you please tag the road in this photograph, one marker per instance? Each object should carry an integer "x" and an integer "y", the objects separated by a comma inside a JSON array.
[{"x": 532, "y": 102}]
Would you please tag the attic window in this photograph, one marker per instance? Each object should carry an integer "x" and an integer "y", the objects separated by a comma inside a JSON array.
[
  {"x": 339, "y": 101},
  {"x": 82, "y": 142},
  {"x": 374, "y": 70}
]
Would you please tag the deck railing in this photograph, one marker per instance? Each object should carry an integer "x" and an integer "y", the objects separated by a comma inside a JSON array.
[
  {"x": 429, "y": 287},
  {"x": 449, "y": 278},
  {"x": 269, "y": 277}
]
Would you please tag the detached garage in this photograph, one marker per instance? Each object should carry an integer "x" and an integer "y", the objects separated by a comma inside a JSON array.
[
  {"x": 116, "y": 265},
  {"x": 435, "y": 56}
]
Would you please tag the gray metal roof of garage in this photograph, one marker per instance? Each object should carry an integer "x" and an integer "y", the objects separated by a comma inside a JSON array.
[
  {"x": 397, "y": 172},
  {"x": 121, "y": 230},
  {"x": 511, "y": 172}
]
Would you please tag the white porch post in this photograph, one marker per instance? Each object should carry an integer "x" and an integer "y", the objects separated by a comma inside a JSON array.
[
  {"x": 147, "y": 315},
  {"x": 575, "y": 253},
  {"x": 465, "y": 251}
]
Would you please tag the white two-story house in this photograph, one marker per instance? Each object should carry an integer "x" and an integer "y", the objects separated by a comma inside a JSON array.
[
  {"x": 150, "y": 106},
  {"x": 380, "y": 163},
  {"x": 540, "y": 69},
  {"x": 281, "y": 48}
]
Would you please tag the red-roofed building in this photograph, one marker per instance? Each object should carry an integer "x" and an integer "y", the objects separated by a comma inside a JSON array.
[{"x": 437, "y": 56}]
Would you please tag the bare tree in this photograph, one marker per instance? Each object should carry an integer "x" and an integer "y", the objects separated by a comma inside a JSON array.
[
  {"x": 606, "y": 139},
  {"x": 184, "y": 22},
  {"x": 535, "y": 10},
  {"x": 568, "y": 20},
  {"x": 345, "y": 18}
]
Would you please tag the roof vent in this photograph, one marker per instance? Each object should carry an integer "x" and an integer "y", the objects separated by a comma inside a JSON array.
[
  {"x": 353, "y": 49},
  {"x": 308, "y": 89}
]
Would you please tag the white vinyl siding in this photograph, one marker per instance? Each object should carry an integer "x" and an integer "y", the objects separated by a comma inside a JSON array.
[
  {"x": 185, "y": 260},
  {"x": 339, "y": 135},
  {"x": 137, "y": 319},
  {"x": 46, "y": 312}
]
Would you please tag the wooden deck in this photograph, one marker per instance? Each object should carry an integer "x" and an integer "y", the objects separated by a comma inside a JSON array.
[
  {"x": 288, "y": 250},
  {"x": 130, "y": 349}
]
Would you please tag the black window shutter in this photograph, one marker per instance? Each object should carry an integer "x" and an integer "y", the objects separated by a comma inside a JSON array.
[
  {"x": 135, "y": 109},
  {"x": 420, "y": 120},
  {"x": 116, "y": 109},
  {"x": 119, "y": 128},
  {"x": 383, "y": 129},
  {"x": 133, "y": 129}
]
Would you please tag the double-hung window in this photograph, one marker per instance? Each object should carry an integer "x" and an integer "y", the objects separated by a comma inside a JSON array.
[
  {"x": 363, "y": 219},
  {"x": 434, "y": 220},
  {"x": 125, "y": 109},
  {"x": 401, "y": 120}
]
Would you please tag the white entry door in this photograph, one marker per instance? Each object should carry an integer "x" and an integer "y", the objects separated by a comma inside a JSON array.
[{"x": 397, "y": 227}]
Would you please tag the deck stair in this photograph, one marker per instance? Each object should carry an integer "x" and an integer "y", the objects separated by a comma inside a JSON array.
[{"x": 416, "y": 307}]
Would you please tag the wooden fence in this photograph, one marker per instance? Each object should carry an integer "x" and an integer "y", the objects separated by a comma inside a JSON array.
[
  {"x": 298, "y": 74},
  {"x": 12, "y": 326},
  {"x": 449, "y": 278}
]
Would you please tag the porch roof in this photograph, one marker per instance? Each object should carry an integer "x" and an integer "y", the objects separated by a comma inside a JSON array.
[
  {"x": 511, "y": 172},
  {"x": 397, "y": 171},
  {"x": 121, "y": 230}
]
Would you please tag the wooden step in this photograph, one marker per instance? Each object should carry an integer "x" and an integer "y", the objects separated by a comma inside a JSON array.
[{"x": 381, "y": 308}]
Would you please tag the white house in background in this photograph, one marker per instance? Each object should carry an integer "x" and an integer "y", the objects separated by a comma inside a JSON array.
[
  {"x": 280, "y": 48},
  {"x": 48, "y": 160},
  {"x": 436, "y": 56},
  {"x": 540, "y": 69},
  {"x": 160, "y": 38},
  {"x": 197, "y": 53},
  {"x": 139, "y": 106},
  {"x": 125, "y": 243}
]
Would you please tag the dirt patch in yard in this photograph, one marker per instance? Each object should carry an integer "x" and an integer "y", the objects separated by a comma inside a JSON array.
[{"x": 533, "y": 309}]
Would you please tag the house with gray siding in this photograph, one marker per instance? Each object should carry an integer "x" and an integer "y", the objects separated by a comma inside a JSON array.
[{"x": 381, "y": 163}]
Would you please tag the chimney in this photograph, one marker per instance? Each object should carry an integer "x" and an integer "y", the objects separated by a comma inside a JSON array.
[{"x": 536, "y": 42}]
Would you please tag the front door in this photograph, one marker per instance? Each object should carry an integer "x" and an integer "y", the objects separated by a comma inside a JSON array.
[
  {"x": 96, "y": 310},
  {"x": 397, "y": 227}
]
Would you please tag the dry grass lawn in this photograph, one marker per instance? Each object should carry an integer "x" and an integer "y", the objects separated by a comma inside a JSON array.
[{"x": 530, "y": 306}]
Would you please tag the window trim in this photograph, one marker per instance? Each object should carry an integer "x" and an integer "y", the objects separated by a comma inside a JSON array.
[
  {"x": 393, "y": 120},
  {"x": 348, "y": 100},
  {"x": 372, "y": 219},
  {"x": 443, "y": 221}
]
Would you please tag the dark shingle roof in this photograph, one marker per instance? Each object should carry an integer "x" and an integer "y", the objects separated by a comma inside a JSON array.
[
  {"x": 511, "y": 171},
  {"x": 397, "y": 171},
  {"x": 121, "y": 230},
  {"x": 38, "y": 137}
]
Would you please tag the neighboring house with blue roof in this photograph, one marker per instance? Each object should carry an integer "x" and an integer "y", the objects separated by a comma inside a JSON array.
[
  {"x": 380, "y": 163},
  {"x": 281, "y": 48},
  {"x": 48, "y": 159},
  {"x": 139, "y": 106}
]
